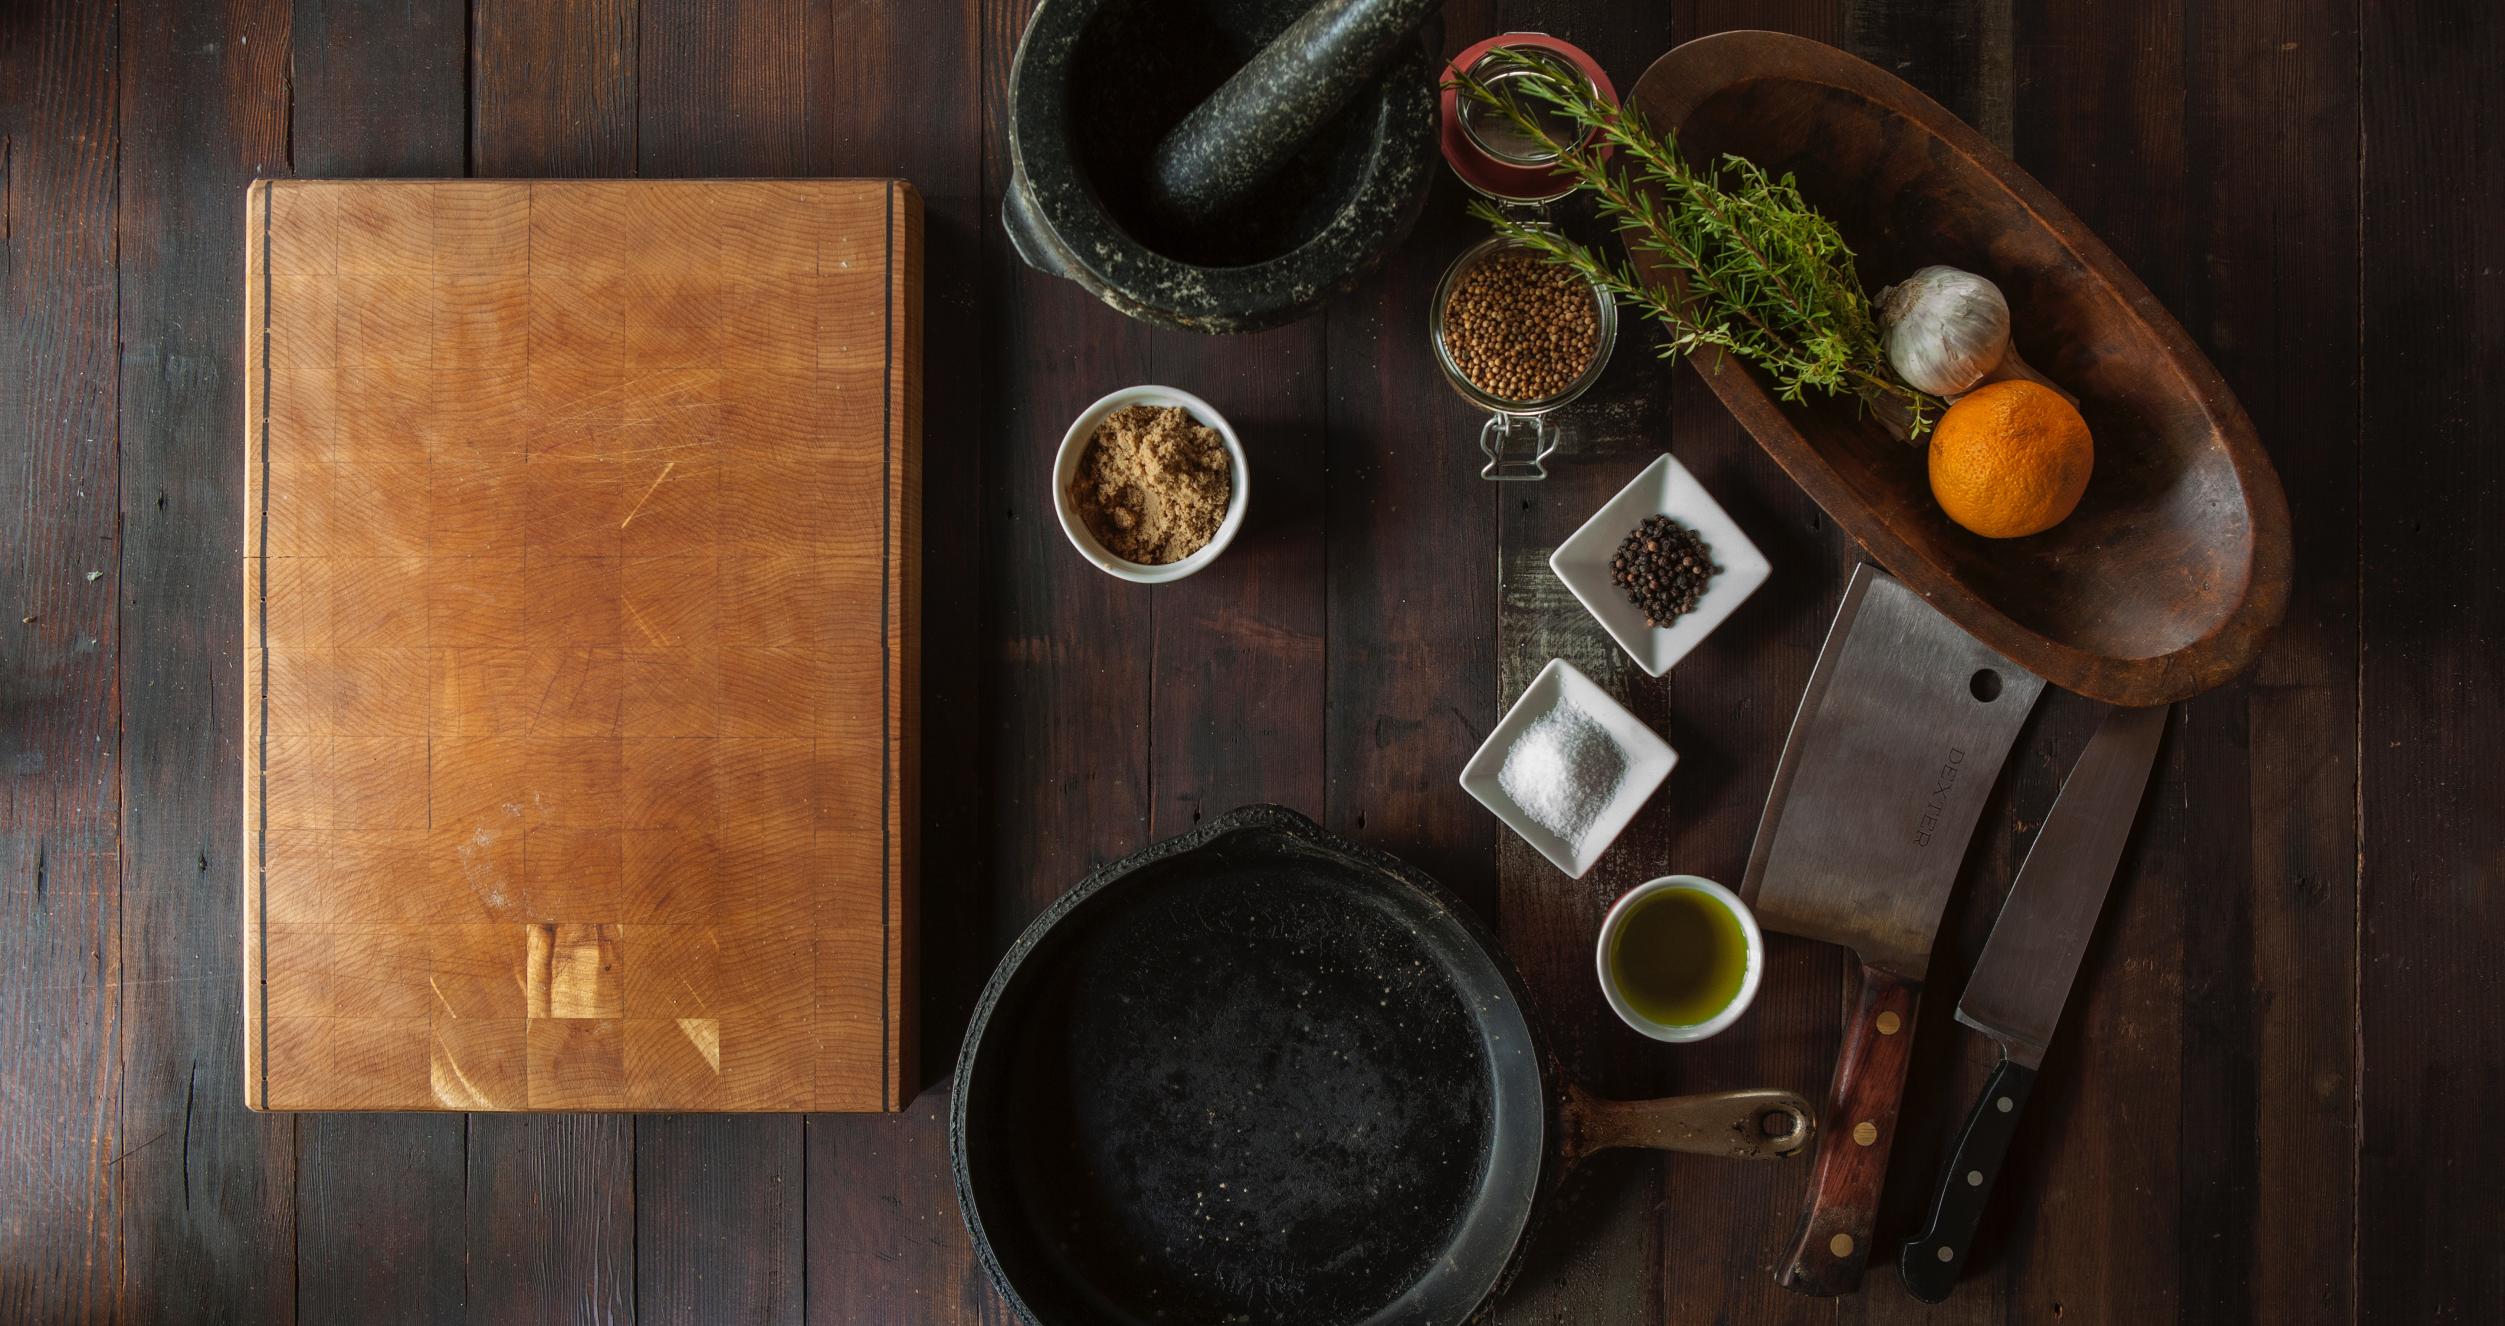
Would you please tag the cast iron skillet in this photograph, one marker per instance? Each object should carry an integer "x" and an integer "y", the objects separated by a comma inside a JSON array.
[{"x": 1258, "y": 1073}]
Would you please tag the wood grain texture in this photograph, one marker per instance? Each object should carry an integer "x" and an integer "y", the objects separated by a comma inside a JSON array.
[
  {"x": 726, "y": 1243},
  {"x": 1236, "y": 715},
  {"x": 380, "y": 1235},
  {"x": 722, "y": 87},
  {"x": 212, "y": 1201},
  {"x": 1857, "y": 1130},
  {"x": 552, "y": 87},
  {"x": 2428, "y": 489},
  {"x": 2248, "y": 1115},
  {"x": 552, "y": 1200},
  {"x": 1601, "y": 1254},
  {"x": 365, "y": 1182},
  {"x": 1731, "y": 704},
  {"x": 714, "y": 1227},
  {"x": 2278, "y": 210},
  {"x": 573, "y": 768},
  {"x": 1410, "y": 649},
  {"x": 2170, "y": 576},
  {"x": 883, "y": 1234},
  {"x": 550, "y": 1228},
  {"x": 385, "y": 81},
  {"x": 60, "y": 747}
]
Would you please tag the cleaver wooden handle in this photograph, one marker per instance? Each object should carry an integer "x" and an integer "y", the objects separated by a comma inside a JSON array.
[{"x": 1859, "y": 1126}]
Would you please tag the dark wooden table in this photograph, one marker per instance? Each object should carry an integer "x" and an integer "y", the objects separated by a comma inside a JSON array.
[{"x": 2268, "y": 1104}]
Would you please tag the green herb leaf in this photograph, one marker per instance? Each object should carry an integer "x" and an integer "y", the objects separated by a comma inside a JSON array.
[{"x": 1760, "y": 273}]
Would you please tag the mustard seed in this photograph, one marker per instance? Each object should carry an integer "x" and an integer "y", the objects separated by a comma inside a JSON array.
[{"x": 1521, "y": 329}]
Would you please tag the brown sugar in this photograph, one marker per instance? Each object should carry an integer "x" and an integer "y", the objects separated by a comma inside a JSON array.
[{"x": 1153, "y": 485}]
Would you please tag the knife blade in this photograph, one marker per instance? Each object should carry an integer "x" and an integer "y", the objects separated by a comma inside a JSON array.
[
  {"x": 1901, "y": 733},
  {"x": 2025, "y": 974}
]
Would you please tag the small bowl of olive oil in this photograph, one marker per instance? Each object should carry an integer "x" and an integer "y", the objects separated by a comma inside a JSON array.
[{"x": 1680, "y": 958}]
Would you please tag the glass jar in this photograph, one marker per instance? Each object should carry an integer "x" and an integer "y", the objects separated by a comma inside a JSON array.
[
  {"x": 1517, "y": 437},
  {"x": 1523, "y": 167}
]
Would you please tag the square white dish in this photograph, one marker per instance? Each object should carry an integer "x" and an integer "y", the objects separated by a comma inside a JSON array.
[
  {"x": 1648, "y": 762},
  {"x": 1664, "y": 488}
]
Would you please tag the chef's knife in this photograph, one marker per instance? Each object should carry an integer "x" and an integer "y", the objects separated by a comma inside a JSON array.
[
  {"x": 2024, "y": 976},
  {"x": 1899, "y": 738}
]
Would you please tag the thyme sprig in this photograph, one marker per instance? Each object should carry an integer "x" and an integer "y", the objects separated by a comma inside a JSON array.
[{"x": 1761, "y": 274}]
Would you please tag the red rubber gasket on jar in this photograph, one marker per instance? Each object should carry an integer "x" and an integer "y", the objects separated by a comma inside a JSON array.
[{"x": 1499, "y": 179}]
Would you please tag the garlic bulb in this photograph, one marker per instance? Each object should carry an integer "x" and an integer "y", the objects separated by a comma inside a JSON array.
[{"x": 1944, "y": 328}]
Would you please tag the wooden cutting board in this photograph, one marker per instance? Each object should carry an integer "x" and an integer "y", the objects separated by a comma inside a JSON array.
[{"x": 581, "y": 571}]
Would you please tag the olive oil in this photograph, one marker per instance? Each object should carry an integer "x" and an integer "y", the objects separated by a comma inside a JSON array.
[{"x": 1680, "y": 957}]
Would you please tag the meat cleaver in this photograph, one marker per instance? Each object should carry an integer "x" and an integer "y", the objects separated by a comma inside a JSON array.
[{"x": 1899, "y": 739}]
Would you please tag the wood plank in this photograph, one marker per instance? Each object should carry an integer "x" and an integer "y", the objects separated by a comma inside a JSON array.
[
  {"x": 900, "y": 95},
  {"x": 552, "y": 93},
  {"x": 2113, "y": 1124},
  {"x": 1235, "y": 713},
  {"x": 1957, "y": 51},
  {"x": 552, "y": 87},
  {"x": 2247, "y": 1017},
  {"x": 722, "y": 88},
  {"x": 718, "y": 1202},
  {"x": 1065, "y": 765},
  {"x": 1731, "y": 704},
  {"x": 2013, "y": 1261},
  {"x": 885, "y": 1240},
  {"x": 550, "y": 1234},
  {"x": 1603, "y": 1255},
  {"x": 389, "y": 1183},
  {"x": 60, "y": 941},
  {"x": 1065, "y": 759},
  {"x": 2272, "y": 150},
  {"x": 2244, "y": 981},
  {"x": 209, "y": 1210},
  {"x": 1410, "y": 646},
  {"x": 1960, "y": 55},
  {"x": 552, "y": 1200},
  {"x": 359, "y": 125},
  {"x": 380, "y": 1219},
  {"x": 2429, "y": 485}
]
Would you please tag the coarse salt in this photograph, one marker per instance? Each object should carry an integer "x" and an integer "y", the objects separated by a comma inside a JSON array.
[{"x": 1563, "y": 771}]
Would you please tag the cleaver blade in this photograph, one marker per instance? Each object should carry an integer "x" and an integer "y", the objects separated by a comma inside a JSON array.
[{"x": 1901, "y": 733}]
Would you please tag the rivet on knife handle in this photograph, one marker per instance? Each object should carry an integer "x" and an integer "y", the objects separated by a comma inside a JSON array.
[
  {"x": 1833, "y": 1242},
  {"x": 1932, "y": 1261}
]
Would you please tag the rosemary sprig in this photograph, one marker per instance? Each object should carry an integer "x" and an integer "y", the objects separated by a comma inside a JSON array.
[{"x": 1761, "y": 274}]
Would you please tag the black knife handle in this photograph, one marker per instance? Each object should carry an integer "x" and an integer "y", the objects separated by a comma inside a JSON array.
[{"x": 1932, "y": 1261}]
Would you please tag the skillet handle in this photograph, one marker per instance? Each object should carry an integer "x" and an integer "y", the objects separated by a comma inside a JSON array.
[
  {"x": 1742, "y": 1125},
  {"x": 1833, "y": 1242}
]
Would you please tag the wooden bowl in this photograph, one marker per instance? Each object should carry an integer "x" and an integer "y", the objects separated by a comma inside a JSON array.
[{"x": 2170, "y": 575}]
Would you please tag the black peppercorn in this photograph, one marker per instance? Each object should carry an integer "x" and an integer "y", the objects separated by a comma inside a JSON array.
[{"x": 1663, "y": 567}]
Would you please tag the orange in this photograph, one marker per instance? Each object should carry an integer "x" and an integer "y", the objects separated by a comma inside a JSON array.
[{"x": 2010, "y": 459}]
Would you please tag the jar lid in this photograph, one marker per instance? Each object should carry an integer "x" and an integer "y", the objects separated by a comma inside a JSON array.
[{"x": 1489, "y": 152}]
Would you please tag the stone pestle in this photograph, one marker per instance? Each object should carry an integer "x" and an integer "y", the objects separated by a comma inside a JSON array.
[{"x": 1258, "y": 119}]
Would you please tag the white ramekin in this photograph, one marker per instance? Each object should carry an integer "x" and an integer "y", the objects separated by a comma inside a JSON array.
[
  {"x": 1074, "y": 445},
  {"x": 1748, "y": 981}
]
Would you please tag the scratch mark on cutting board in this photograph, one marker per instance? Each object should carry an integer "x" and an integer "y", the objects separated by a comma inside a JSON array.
[
  {"x": 452, "y": 1086},
  {"x": 640, "y": 624},
  {"x": 656, "y": 487}
]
